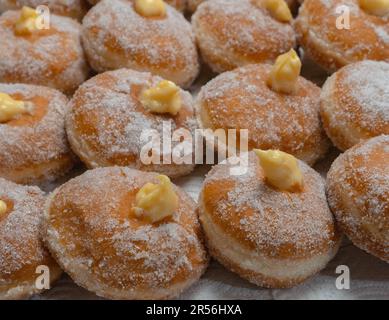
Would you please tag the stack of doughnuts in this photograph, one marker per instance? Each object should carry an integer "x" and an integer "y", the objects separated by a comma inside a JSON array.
[{"x": 94, "y": 92}]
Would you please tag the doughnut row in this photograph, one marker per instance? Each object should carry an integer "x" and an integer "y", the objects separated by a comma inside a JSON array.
[{"x": 106, "y": 76}]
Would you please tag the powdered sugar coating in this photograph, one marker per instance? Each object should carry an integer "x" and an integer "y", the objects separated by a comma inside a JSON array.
[
  {"x": 116, "y": 36},
  {"x": 21, "y": 249},
  {"x": 321, "y": 31},
  {"x": 52, "y": 58},
  {"x": 178, "y": 4},
  {"x": 71, "y": 8},
  {"x": 108, "y": 250},
  {"x": 273, "y": 223},
  {"x": 106, "y": 121},
  {"x": 37, "y": 139},
  {"x": 355, "y": 103},
  {"x": 234, "y": 33},
  {"x": 358, "y": 193},
  {"x": 241, "y": 99}
]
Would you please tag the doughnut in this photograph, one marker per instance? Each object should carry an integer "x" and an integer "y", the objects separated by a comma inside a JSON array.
[
  {"x": 107, "y": 118},
  {"x": 358, "y": 193},
  {"x": 332, "y": 47},
  {"x": 273, "y": 238},
  {"x": 234, "y": 33},
  {"x": 180, "y": 5},
  {"x": 105, "y": 247},
  {"x": 355, "y": 103},
  {"x": 33, "y": 143},
  {"x": 49, "y": 57},
  {"x": 21, "y": 247},
  {"x": 193, "y": 4},
  {"x": 241, "y": 99},
  {"x": 116, "y": 36},
  {"x": 75, "y": 9}
]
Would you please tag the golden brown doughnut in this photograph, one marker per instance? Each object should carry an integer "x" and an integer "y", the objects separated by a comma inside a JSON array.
[
  {"x": 105, "y": 248},
  {"x": 193, "y": 4},
  {"x": 21, "y": 248},
  {"x": 358, "y": 193},
  {"x": 355, "y": 103},
  {"x": 107, "y": 119},
  {"x": 234, "y": 33},
  {"x": 71, "y": 8},
  {"x": 180, "y": 5},
  {"x": 51, "y": 57},
  {"x": 33, "y": 146},
  {"x": 333, "y": 48},
  {"x": 116, "y": 36},
  {"x": 272, "y": 238},
  {"x": 241, "y": 99}
]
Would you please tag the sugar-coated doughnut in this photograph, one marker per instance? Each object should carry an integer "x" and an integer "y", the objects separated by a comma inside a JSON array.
[
  {"x": 180, "y": 5},
  {"x": 333, "y": 46},
  {"x": 50, "y": 57},
  {"x": 116, "y": 36},
  {"x": 71, "y": 8},
  {"x": 21, "y": 248},
  {"x": 33, "y": 145},
  {"x": 107, "y": 118},
  {"x": 272, "y": 238},
  {"x": 358, "y": 193},
  {"x": 105, "y": 248},
  {"x": 355, "y": 103},
  {"x": 234, "y": 33},
  {"x": 241, "y": 99},
  {"x": 193, "y": 4}
]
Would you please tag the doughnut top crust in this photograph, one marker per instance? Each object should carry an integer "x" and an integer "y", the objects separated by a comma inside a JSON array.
[
  {"x": 52, "y": 57},
  {"x": 241, "y": 99},
  {"x": 242, "y": 32},
  {"x": 36, "y": 137},
  {"x": 107, "y": 119},
  {"x": 359, "y": 99},
  {"x": 331, "y": 47},
  {"x": 92, "y": 230},
  {"x": 116, "y": 36},
  {"x": 358, "y": 193},
  {"x": 277, "y": 224},
  {"x": 71, "y": 8},
  {"x": 178, "y": 4},
  {"x": 21, "y": 249}
]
